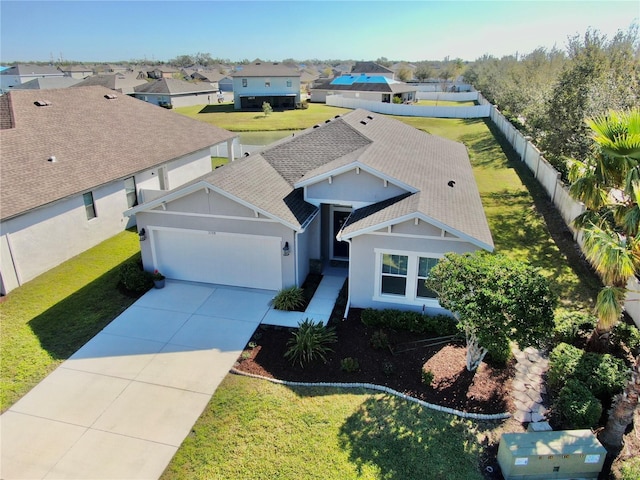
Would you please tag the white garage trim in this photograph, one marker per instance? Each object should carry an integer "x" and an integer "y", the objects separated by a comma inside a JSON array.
[{"x": 217, "y": 257}]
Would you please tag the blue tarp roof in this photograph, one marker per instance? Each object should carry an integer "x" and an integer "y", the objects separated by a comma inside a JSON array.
[{"x": 351, "y": 79}]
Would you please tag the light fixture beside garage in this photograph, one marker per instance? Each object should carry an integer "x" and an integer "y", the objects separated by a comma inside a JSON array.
[
  {"x": 286, "y": 250},
  {"x": 142, "y": 234}
]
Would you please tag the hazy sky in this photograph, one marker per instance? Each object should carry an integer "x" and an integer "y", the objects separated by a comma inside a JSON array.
[{"x": 303, "y": 29}]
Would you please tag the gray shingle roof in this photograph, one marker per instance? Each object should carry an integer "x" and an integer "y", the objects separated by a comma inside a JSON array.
[
  {"x": 400, "y": 153},
  {"x": 369, "y": 67},
  {"x": 95, "y": 141},
  {"x": 47, "y": 83},
  {"x": 26, "y": 69},
  {"x": 266, "y": 70},
  {"x": 173, "y": 86}
]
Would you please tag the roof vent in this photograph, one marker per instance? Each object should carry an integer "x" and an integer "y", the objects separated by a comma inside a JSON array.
[
  {"x": 246, "y": 154},
  {"x": 42, "y": 103},
  {"x": 337, "y": 116},
  {"x": 451, "y": 183},
  {"x": 52, "y": 159},
  {"x": 363, "y": 122},
  {"x": 110, "y": 96},
  {"x": 327, "y": 121},
  {"x": 369, "y": 117},
  {"x": 316, "y": 126}
]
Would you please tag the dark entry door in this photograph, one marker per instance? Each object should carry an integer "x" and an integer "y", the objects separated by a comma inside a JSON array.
[{"x": 340, "y": 249}]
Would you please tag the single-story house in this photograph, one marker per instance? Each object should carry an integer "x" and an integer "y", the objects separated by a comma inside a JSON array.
[
  {"x": 170, "y": 93},
  {"x": 119, "y": 82},
  {"x": 361, "y": 188},
  {"x": 274, "y": 83},
  {"x": 47, "y": 83},
  {"x": 79, "y": 72},
  {"x": 18, "y": 74},
  {"x": 161, "y": 72},
  {"x": 372, "y": 69},
  {"x": 365, "y": 87},
  {"x": 74, "y": 159}
]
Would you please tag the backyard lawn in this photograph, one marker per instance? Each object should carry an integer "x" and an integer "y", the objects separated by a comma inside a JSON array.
[
  {"x": 224, "y": 116},
  {"x": 445, "y": 103}
]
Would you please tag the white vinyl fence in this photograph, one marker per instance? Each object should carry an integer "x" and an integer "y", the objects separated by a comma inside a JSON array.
[
  {"x": 454, "y": 97},
  {"x": 477, "y": 111}
]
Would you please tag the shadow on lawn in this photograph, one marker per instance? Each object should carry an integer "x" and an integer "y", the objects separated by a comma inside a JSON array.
[
  {"x": 405, "y": 442},
  {"x": 72, "y": 322}
]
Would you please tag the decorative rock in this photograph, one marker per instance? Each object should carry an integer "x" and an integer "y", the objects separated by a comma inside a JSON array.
[
  {"x": 519, "y": 386},
  {"x": 535, "y": 396},
  {"x": 522, "y": 417},
  {"x": 522, "y": 397}
]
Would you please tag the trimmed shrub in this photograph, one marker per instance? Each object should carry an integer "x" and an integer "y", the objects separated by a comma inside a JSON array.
[
  {"x": 289, "y": 299},
  {"x": 427, "y": 377},
  {"x": 408, "y": 320},
  {"x": 576, "y": 406},
  {"x": 134, "y": 279},
  {"x": 625, "y": 335},
  {"x": 310, "y": 342},
  {"x": 604, "y": 375},
  {"x": 350, "y": 364},
  {"x": 630, "y": 469},
  {"x": 573, "y": 327},
  {"x": 500, "y": 353},
  {"x": 379, "y": 340}
]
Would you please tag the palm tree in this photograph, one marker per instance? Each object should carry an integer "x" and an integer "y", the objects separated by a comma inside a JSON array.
[{"x": 608, "y": 183}]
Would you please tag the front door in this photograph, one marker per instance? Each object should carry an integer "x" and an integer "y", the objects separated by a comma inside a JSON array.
[{"x": 340, "y": 249}]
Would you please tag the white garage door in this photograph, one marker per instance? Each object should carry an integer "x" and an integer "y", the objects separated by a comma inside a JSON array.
[{"x": 228, "y": 259}]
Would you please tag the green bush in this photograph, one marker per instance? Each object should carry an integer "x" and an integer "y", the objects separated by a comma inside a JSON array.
[
  {"x": 289, "y": 299},
  {"x": 499, "y": 353},
  {"x": 310, "y": 342},
  {"x": 604, "y": 375},
  {"x": 412, "y": 321},
  {"x": 628, "y": 336},
  {"x": 133, "y": 278},
  {"x": 379, "y": 340},
  {"x": 573, "y": 327},
  {"x": 350, "y": 364},
  {"x": 576, "y": 406},
  {"x": 630, "y": 469},
  {"x": 427, "y": 377}
]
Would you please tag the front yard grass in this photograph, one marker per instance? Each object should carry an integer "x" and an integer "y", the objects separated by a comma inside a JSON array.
[
  {"x": 47, "y": 319},
  {"x": 224, "y": 116},
  {"x": 252, "y": 429}
]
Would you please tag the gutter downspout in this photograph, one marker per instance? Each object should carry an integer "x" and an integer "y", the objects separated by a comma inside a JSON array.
[
  {"x": 348, "y": 305},
  {"x": 295, "y": 249}
]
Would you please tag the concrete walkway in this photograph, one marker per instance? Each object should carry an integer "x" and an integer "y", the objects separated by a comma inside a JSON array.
[
  {"x": 528, "y": 385},
  {"x": 120, "y": 407}
]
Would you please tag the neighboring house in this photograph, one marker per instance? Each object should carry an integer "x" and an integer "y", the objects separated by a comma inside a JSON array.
[
  {"x": 47, "y": 83},
  {"x": 371, "y": 69},
  {"x": 79, "y": 72},
  {"x": 119, "y": 82},
  {"x": 274, "y": 83},
  {"x": 225, "y": 84},
  {"x": 19, "y": 74},
  {"x": 74, "y": 159},
  {"x": 361, "y": 188},
  {"x": 162, "y": 72},
  {"x": 111, "y": 68},
  {"x": 364, "y": 87},
  {"x": 170, "y": 93},
  {"x": 207, "y": 76}
]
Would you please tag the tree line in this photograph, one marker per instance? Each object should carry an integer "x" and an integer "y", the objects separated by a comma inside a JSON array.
[{"x": 549, "y": 93}]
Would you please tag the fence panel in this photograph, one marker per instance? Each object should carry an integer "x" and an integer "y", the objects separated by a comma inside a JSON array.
[
  {"x": 477, "y": 111},
  {"x": 448, "y": 96}
]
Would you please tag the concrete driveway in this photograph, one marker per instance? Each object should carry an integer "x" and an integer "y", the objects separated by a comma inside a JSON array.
[{"x": 121, "y": 406}]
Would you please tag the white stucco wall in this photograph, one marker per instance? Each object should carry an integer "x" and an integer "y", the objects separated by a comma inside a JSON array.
[
  {"x": 363, "y": 272},
  {"x": 352, "y": 188}
]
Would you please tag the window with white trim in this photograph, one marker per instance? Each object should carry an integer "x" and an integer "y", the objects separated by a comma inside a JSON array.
[
  {"x": 89, "y": 205},
  {"x": 244, "y": 82},
  {"x": 394, "y": 274},
  {"x": 400, "y": 277},
  {"x": 424, "y": 266}
]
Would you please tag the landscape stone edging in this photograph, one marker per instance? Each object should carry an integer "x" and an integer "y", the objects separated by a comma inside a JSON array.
[{"x": 380, "y": 388}]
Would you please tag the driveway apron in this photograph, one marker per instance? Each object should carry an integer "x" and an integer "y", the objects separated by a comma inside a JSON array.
[{"x": 121, "y": 405}]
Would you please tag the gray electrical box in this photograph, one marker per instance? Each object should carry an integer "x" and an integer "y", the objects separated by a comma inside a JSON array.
[{"x": 564, "y": 454}]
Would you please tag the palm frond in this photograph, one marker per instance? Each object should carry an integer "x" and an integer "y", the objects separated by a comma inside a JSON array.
[
  {"x": 609, "y": 254},
  {"x": 618, "y": 133},
  {"x": 588, "y": 191},
  {"x": 608, "y": 307}
]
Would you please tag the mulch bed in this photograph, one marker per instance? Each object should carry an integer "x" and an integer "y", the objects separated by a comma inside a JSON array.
[{"x": 488, "y": 390}]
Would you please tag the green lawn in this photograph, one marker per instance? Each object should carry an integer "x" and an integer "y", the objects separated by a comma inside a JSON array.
[
  {"x": 47, "y": 319},
  {"x": 224, "y": 116},
  {"x": 252, "y": 429}
]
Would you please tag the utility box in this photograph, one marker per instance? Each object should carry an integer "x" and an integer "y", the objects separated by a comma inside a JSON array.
[{"x": 564, "y": 454}]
